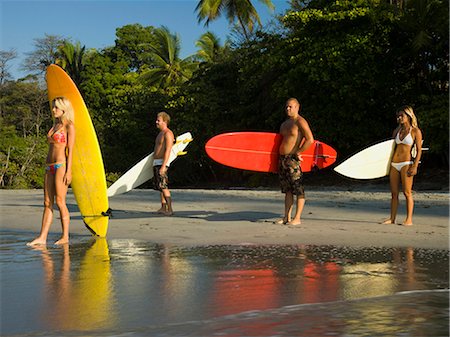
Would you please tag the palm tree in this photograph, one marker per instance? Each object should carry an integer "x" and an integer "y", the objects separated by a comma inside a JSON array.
[
  {"x": 209, "y": 47},
  {"x": 167, "y": 69},
  {"x": 71, "y": 60},
  {"x": 241, "y": 11}
]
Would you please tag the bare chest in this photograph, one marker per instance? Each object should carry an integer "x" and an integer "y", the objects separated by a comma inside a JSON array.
[{"x": 289, "y": 129}]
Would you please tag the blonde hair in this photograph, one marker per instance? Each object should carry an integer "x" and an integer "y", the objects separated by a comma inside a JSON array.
[
  {"x": 165, "y": 116},
  {"x": 410, "y": 112},
  {"x": 65, "y": 105}
]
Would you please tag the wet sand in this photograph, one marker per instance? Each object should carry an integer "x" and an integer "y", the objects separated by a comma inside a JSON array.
[{"x": 234, "y": 217}]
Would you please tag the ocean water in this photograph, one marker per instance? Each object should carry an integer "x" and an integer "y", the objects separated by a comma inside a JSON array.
[{"x": 100, "y": 287}]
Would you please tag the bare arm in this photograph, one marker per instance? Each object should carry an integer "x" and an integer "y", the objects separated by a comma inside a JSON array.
[
  {"x": 307, "y": 133},
  {"x": 418, "y": 143},
  {"x": 70, "y": 144},
  {"x": 168, "y": 141},
  {"x": 395, "y": 132}
]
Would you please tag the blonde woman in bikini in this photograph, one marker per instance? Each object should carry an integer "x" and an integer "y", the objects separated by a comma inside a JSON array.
[
  {"x": 58, "y": 170},
  {"x": 403, "y": 166}
]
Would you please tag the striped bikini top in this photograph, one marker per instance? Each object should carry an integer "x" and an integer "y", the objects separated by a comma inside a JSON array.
[{"x": 408, "y": 140}]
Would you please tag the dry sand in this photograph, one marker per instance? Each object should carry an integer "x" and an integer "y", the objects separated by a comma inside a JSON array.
[{"x": 210, "y": 217}]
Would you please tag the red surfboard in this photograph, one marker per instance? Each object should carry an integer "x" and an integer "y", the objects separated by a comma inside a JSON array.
[{"x": 258, "y": 151}]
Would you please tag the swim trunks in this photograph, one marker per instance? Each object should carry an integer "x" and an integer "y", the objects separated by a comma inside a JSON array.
[
  {"x": 160, "y": 182},
  {"x": 291, "y": 175}
]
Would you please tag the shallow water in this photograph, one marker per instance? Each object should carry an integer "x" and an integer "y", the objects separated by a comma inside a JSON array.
[{"x": 135, "y": 288}]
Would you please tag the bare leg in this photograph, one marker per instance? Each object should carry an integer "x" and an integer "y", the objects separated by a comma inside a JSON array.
[
  {"x": 65, "y": 221},
  {"x": 300, "y": 204},
  {"x": 61, "y": 192},
  {"x": 163, "y": 208},
  {"x": 47, "y": 216},
  {"x": 168, "y": 199},
  {"x": 288, "y": 203},
  {"x": 407, "y": 183},
  {"x": 394, "y": 179}
]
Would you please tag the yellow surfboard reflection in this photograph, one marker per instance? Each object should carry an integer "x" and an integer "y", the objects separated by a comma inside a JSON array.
[{"x": 78, "y": 297}]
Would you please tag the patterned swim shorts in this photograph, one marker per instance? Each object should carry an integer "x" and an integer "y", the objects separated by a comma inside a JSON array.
[
  {"x": 160, "y": 182},
  {"x": 291, "y": 175}
]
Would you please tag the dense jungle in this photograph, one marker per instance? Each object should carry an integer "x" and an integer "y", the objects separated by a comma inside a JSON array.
[{"x": 351, "y": 64}]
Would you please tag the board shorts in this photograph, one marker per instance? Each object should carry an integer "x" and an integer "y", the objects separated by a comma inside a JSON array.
[
  {"x": 160, "y": 181},
  {"x": 291, "y": 175}
]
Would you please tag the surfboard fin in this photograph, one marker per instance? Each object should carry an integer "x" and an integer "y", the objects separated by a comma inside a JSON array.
[
  {"x": 108, "y": 213},
  {"x": 184, "y": 141}
]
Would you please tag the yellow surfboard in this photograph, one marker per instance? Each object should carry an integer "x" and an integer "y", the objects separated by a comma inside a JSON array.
[
  {"x": 88, "y": 174},
  {"x": 92, "y": 301}
]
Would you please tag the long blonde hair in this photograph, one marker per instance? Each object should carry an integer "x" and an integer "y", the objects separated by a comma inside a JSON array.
[
  {"x": 65, "y": 105},
  {"x": 410, "y": 112}
]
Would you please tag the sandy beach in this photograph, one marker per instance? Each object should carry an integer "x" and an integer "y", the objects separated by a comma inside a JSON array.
[{"x": 211, "y": 217}]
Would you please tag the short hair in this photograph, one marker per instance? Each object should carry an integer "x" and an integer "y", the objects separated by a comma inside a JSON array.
[
  {"x": 296, "y": 101},
  {"x": 65, "y": 105},
  {"x": 165, "y": 116}
]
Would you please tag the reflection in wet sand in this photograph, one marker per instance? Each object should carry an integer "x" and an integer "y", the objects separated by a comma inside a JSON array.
[
  {"x": 83, "y": 300},
  {"x": 135, "y": 288}
]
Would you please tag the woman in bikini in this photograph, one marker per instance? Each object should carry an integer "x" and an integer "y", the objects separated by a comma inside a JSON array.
[
  {"x": 58, "y": 171},
  {"x": 403, "y": 166}
]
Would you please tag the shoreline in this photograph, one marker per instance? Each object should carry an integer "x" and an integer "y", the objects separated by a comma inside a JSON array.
[{"x": 336, "y": 216}]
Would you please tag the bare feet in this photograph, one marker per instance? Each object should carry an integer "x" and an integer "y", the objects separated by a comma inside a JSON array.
[
  {"x": 407, "y": 224},
  {"x": 62, "y": 241},
  {"x": 280, "y": 222},
  {"x": 162, "y": 210},
  {"x": 37, "y": 242},
  {"x": 294, "y": 223},
  {"x": 168, "y": 213},
  {"x": 388, "y": 222}
]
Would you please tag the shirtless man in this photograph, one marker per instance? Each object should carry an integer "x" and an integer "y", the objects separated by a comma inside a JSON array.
[
  {"x": 297, "y": 138},
  {"x": 163, "y": 146}
]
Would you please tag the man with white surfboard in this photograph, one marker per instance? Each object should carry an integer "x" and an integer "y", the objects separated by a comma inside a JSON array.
[
  {"x": 163, "y": 145},
  {"x": 297, "y": 138},
  {"x": 403, "y": 165}
]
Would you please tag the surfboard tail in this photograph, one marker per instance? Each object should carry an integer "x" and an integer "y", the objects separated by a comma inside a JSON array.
[{"x": 97, "y": 224}]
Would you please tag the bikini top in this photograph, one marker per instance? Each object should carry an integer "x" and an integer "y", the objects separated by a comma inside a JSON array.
[
  {"x": 408, "y": 140},
  {"x": 59, "y": 136}
]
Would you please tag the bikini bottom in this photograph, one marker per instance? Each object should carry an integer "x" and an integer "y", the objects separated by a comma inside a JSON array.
[
  {"x": 399, "y": 166},
  {"x": 51, "y": 168}
]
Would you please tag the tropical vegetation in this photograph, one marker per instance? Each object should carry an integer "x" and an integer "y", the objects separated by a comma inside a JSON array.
[{"x": 350, "y": 63}]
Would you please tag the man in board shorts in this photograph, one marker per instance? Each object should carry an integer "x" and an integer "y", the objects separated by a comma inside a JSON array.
[
  {"x": 163, "y": 145},
  {"x": 297, "y": 138}
]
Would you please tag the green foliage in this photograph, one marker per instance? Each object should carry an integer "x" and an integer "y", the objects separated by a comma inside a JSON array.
[
  {"x": 167, "y": 69},
  {"x": 22, "y": 159},
  {"x": 71, "y": 60},
  {"x": 434, "y": 123},
  {"x": 350, "y": 63},
  {"x": 133, "y": 45},
  {"x": 242, "y": 12}
]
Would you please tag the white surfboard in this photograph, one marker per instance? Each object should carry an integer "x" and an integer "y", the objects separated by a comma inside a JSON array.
[
  {"x": 370, "y": 163},
  {"x": 143, "y": 170}
]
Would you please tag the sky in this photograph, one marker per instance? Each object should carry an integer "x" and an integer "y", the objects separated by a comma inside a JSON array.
[{"x": 93, "y": 22}]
